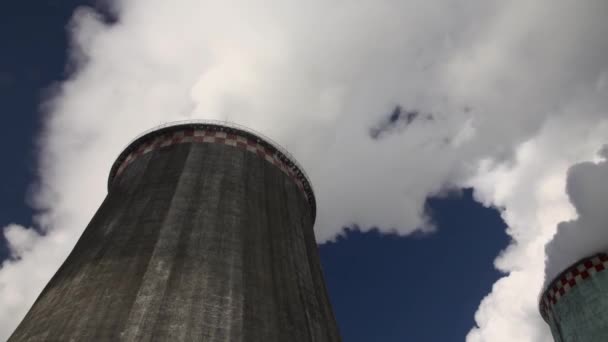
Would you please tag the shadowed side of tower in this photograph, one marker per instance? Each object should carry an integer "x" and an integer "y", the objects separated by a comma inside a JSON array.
[
  {"x": 575, "y": 304},
  {"x": 206, "y": 234}
]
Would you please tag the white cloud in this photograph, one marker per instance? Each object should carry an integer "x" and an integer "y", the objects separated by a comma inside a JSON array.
[
  {"x": 586, "y": 234},
  {"x": 34, "y": 260},
  {"x": 531, "y": 188},
  {"x": 20, "y": 240},
  {"x": 517, "y": 92}
]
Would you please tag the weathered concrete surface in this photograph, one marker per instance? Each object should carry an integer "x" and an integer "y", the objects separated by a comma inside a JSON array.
[
  {"x": 581, "y": 315},
  {"x": 194, "y": 242}
]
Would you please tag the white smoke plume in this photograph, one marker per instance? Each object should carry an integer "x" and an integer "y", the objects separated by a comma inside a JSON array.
[
  {"x": 531, "y": 189},
  {"x": 587, "y": 234},
  {"x": 500, "y": 96}
]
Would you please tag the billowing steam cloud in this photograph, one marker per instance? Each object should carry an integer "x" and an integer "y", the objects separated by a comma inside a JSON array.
[
  {"x": 501, "y": 96},
  {"x": 587, "y": 234}
]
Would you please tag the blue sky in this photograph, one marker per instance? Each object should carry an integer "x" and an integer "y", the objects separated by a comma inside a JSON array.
[
  {"x": 419, "y": 288},
  {"x": 383, "y": 287},
  {"x": 35, "y": 45},
  {"x": 385, "y": 103}
]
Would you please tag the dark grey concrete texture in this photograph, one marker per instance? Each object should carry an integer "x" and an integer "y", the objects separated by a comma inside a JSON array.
[
  {"x": 581, "y": 314},
  {"x": 194, "y": 242}
]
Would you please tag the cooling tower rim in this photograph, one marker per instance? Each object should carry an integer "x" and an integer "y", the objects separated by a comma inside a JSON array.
[
  {"x": 169, "y": 126},
  {"x": 544, "y": 302}
]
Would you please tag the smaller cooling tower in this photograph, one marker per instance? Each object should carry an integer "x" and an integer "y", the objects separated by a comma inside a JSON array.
[{"x": 575, "y": 304}]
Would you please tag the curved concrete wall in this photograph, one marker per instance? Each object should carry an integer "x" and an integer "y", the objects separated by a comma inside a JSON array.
[
  {"x": 575, "y": 305},
  {"x": 196, "y": 241}
]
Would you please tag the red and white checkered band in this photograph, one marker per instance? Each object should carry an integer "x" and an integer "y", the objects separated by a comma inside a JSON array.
[
  {"x": 578, "y": 273},
  {"x": 214, "y": 137}
]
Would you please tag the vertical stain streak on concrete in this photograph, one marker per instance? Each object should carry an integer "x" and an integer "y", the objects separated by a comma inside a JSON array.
[{"x": 145, "y": 309}]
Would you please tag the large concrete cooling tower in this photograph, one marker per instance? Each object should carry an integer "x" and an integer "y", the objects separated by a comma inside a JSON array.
[
  {"x": 575, "y": 304},
  {"x": 206, "y": 234}
]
